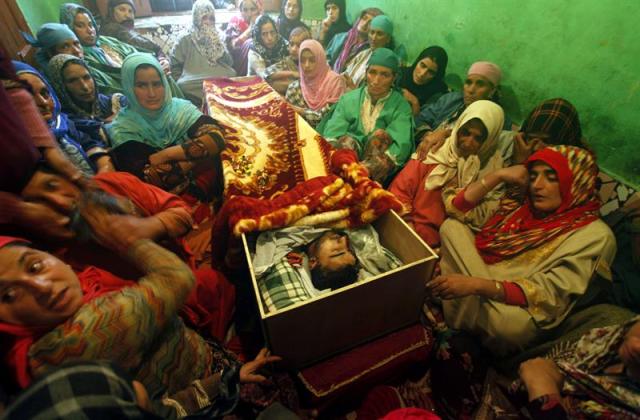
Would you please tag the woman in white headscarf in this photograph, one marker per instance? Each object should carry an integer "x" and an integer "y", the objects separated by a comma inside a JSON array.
[
  {"x": 430, "y": 186},
  {"x": 200, "y": 54}
]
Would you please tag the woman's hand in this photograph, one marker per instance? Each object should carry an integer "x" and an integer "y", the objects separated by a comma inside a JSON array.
[
  {"x": 298, "y": 109},
  {"x": 248, "y": 371},
  {"x": 453, "y": 286},
  {"x": 522, "y": 150},
  {"x": 165, "y": 64},
  {"x": 514, "y": 175},
  {"x": 431, "y": 142},
  {"x": 118, "y": 232},
  {"x": 541, "y": 377},
  {"x": 44, "y": 220},
  {"x": 160, "y": 157},
  {"x": 348, "y": 81},
  {"x": 413, "y": 101}
]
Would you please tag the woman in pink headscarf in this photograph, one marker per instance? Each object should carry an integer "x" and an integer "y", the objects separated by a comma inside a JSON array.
[{"x": 319, "y": 87}]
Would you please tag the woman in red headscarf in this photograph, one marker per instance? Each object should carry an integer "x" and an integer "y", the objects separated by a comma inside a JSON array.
[{"x": 533, "y": 262}]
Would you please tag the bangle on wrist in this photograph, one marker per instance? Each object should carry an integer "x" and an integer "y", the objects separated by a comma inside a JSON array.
[
  {"x": 499, "y": 289},
  {"x": 484, "y": 184}
]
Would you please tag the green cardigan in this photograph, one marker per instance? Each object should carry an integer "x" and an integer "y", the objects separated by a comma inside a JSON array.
[{"x": 395, "y": 118}]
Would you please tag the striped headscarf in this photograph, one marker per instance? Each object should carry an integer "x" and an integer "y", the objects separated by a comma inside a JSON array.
[
  {"x": 557, "y": 118},
  {"x": 514, "y": 229}
]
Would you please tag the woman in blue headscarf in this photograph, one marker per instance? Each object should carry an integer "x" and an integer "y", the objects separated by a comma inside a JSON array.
[
  {"x": 86, "y": 152},
  {"x": 52, "y": 39},
  {"x": 164, "y": 141}
]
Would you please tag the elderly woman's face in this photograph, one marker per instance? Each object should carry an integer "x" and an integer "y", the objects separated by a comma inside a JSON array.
[
  {"x": 268, "y": 35},
  {"x": 379, "y": 81},
  {"x": 378, "y": 38},
  {"x": 476, "y": 88},
  {"x": 148, "y": 88},
  {"x": 41, "y": 95},
  {"x": 123, "y": 13},
  {"x": 70, "y": 46},
  {"x": 544, "y": 188},
  {"x": 36, "y": 288},
  {"x": 470, "y": 137},
  {"x": 84, "y": 30}
]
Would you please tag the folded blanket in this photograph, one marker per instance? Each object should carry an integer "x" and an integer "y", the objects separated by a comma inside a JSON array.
[{"x": 345, "y": 200}]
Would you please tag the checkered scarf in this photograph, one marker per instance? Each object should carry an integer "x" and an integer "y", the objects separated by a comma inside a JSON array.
[
  {"x": 91, "y": 390},
  {"x": 558, "y": 118},
  {"x": 514, "y": 229}
]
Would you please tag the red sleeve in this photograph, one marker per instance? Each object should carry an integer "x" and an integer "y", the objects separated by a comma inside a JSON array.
[
  {"x": 460, "y": 203},
  {"x": 513, "y": 294},
  {"x": 174, "y": 213},
  {"x": 405, "y": 185},
  {"x": 147, "y": 197}
]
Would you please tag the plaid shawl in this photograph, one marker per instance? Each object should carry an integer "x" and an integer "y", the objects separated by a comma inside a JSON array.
[
  {"x": 558, "y": 118},
  {"x": 91, "y": 390}
]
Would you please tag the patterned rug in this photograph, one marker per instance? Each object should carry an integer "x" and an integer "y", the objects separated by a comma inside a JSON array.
[{"x": 270, "y": 148}]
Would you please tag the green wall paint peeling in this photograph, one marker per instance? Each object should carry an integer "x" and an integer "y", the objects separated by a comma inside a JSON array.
[{"x": 585, "y": 51}]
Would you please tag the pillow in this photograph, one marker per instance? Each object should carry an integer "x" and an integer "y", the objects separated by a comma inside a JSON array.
[{"x": 281, "y": 286}]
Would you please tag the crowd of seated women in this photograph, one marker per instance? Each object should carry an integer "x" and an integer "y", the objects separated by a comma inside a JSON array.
[{"x": 106, "y": 152}]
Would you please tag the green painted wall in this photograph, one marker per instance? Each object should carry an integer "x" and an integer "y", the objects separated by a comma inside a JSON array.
[
  {"x": 586, "y": 51},
  {"x": 37, "y": 12}
]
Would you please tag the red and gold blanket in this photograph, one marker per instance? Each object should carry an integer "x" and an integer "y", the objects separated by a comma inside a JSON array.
[
  {"x": 269, "y": 147},
  {"x": 279, "y": 172}
]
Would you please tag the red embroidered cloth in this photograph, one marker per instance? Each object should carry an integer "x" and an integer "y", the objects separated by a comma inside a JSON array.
[{"x": 270, "y": 148}]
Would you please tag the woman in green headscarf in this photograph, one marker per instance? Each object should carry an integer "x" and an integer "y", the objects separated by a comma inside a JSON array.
[
  {"x": 374, "y": 120},
  {"x": 104, "y": 54},
  {"x": 164, "y": 141},
  {"x": 380, "y": 36}
]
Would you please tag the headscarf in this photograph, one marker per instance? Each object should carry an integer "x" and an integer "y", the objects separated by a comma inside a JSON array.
[
  {"x": 558, "y": 118},
  {"x": 488, "y": 70},
  {"x": 448, "y": 159},
  {"x": 16, "y": 339},
  {"x": 114, "y": 3},
  {"x": 435, "y": 85},
  {"x": 324, "y": 85},
  {"x": 206, "y": 39},
  {"x": 59, "y": 124},
  {"x": 95, "y": 390},
  {"x": 273, "y": 55},
  {"x": 339, "y": 26},
  {"x": 159, "y": 129},
  {"x": 383, "y": 23},
  {"x": 386, "y": 58},
  {"x": 514, "y": 229},
  {"x": 48, "y": 36},
  {"x": 55, "y": 73},
  {"x": 353, "y": 45},
  {"x": 286, "y": 25}
]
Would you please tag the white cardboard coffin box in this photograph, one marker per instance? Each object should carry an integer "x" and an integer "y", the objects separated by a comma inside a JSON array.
[{"x": 318, "y": 328}]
